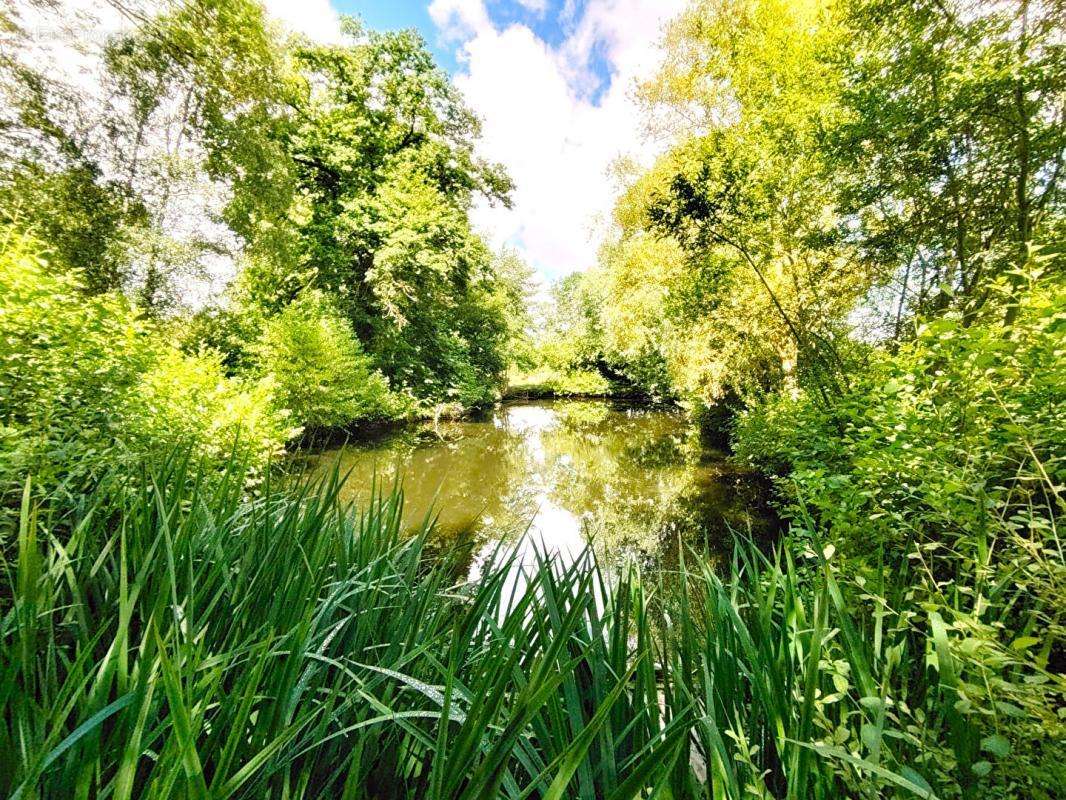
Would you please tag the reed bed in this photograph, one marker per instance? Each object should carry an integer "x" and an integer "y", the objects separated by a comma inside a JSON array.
[{"x": 172, "y": 637}]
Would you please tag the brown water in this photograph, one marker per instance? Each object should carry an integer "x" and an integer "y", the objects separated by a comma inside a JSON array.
[{"x": 629, "y": 480}]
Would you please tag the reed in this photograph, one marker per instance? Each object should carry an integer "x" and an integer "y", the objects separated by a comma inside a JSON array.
[{"x": 179, "y": 639}]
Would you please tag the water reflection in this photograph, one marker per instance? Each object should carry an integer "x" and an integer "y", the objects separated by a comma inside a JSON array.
[{"x": 630, "y": 481}]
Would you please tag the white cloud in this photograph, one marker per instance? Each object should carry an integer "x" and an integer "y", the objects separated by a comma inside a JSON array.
[
  {"x": 316, "y": 19},
  {"x": 541, "y": 123},
  {"x": 536, "y": 6},
  {"x": 459, "y": 20}
]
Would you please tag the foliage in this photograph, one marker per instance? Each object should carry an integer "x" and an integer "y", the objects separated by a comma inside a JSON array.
[
  {"x": 211, "y": 80},
  {"x": 945, "y": 463},
  {"x": 579, "y": 351},
  {"x": 382, "y": 148},
  {"x": 85, "y": 383},
  {"x": 889, "y": 157},
  {"x": 67, "y": 362},
  {"x": 960, "y": 429},
  {"x": 347, "y": 168},
  {"x": 545, "y": 382},
  {"x": 87, "y": 223},
  {"x": 855, "y": 232},
  {"x": 189, "y": 400},
  {"x": 950, "y": 149},
  {"x": 219, "y": 669},
  {"x": 318, "y": 370},
  {"x": 734, "y": 226}
]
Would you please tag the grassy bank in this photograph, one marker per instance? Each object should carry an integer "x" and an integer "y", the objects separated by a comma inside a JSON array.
[{"x": 182, "y": 640}]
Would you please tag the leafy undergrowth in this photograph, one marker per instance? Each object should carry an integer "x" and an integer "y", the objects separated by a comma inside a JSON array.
[
  {"x": 178, "y": 641},
  {"x": 547, "y": 382}
]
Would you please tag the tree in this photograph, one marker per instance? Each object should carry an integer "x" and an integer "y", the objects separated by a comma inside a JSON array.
[
  {"x": 950, "y": 152},
  {"x": 143, "y": 177},
  {"x": 201, "y": 101},
  {"x": 383, "y": 152},
  {"x": 53, "y": 184},
  {"x": 767, "y": 278}
]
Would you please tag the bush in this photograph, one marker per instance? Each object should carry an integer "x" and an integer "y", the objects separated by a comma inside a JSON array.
[
  {"x": 189, "y": 400},
  {"x": 67, "y": 362},
  {"x": 85, "y": 383},
  {"x": 961, "y": 427},
  {"x": 318, "y": 369},
  {"x": 941, "y": 470},
  {"x": 551, "y": 382}
]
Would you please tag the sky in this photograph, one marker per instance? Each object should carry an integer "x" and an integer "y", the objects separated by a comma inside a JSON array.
[{"x": 552, "y": 81}]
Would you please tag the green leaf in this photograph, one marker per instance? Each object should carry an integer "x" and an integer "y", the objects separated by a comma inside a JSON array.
[
  {"x": 921, "y": 789},
  {"x": 1024, "y": 643},
  {"x": 77, "y": 734},
  {"x": 996, "y": 744}
]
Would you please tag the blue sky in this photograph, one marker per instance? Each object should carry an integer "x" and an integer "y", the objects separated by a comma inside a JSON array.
[
  {"x": 552, "y": 81},
  {"x": 393, "y": 14},
  {"x": 555, "y": 20}
]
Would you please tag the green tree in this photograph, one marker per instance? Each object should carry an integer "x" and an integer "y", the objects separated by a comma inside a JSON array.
[
  {"x": 383, "y": 149},
  {"x": 203, "y": 95},
  {"x": 317, "y": 368},
  {"x": 752, "y": 280},
  {"x": 89, "y": 223},
  {"x": 53, "y": 184},
  {"x": 949, "y": 155}
]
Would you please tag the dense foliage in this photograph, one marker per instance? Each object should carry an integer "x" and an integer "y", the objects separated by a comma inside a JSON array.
[
  {"x": 85, "y": 383},
  {"x": 853, "y": 249},
  {"x": 345, "y": 171},
  {"x": 849, "y": 258},
  {"x": 318, "y": 368},
  {"x": 212, "y": 646}
]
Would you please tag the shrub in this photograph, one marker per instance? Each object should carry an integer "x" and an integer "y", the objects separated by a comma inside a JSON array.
[
  {"x": 66, "y": 364},
  {"x": 319, "y": 371},
  {"x": 550, "y": 382},
  {"x": 940, "y": 470},
  {"x": 188, "y": 400},
  {"x": 961, "y": 427},
  {"x": 85, "y": 383}
]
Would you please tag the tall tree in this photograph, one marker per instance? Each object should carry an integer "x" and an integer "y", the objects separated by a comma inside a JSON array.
[
  {"x": 202, "y": 94},
  {"x": 383, "y": 153},
  {"x": 950, "y": 153},
  {"x": 746, "y": 195}
]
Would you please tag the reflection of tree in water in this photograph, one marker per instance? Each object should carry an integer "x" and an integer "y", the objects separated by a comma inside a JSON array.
[
  {"x": 463, "y": 473},
  {"x": 635, "y": 479},
  {"x": 641, "y": 482}
]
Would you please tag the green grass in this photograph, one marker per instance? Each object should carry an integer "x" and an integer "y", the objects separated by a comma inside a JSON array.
[{"x": 181, "y": 640}]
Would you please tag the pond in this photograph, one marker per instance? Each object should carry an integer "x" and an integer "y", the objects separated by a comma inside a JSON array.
[{"x": 631, "y": 481}]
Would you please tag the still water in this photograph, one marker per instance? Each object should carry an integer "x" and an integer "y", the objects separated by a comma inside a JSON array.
[{"x": 629, "y": 481}]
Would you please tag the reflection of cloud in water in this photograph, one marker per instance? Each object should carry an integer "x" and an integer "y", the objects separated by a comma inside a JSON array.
[
  {"x": 528, "y": 418},
  {"x": 554, "y": 533},
  {"x": 529, "y": 423}
]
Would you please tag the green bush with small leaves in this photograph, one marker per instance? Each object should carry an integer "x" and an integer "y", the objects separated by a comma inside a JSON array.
[
  {"x": 941, "y": 469},
  {"x": 86, "y": 382},
  {"x": 319, "y": 370},
  {"x": 189, "y": 400}
]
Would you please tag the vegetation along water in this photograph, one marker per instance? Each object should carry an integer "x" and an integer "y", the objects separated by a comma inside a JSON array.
[{"x": 311, "y": 488}]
